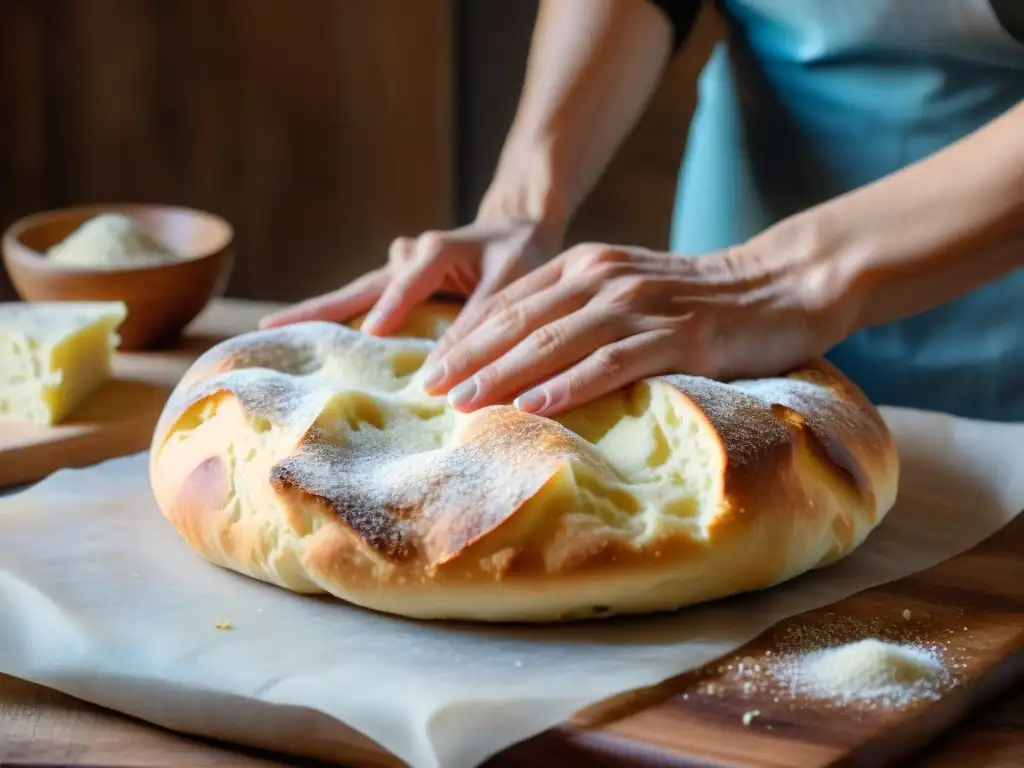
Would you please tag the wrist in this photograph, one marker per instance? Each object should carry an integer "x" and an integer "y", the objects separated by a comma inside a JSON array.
[
  {"x": 912, "y": 241},
  {"x": 822, "y": 266},
  {"x": 527, "y": 188}
]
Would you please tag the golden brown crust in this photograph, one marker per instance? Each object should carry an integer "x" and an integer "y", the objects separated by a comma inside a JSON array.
[{"x": 310, "y": 458}]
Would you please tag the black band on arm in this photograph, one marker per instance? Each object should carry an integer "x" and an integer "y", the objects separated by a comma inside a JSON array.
[{"x": 682, "y": 14}]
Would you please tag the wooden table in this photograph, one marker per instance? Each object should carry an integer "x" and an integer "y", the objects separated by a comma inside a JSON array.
[{"x": 43, "y": 727}]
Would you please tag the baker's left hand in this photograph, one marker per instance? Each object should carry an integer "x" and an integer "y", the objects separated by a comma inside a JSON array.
[{"x": 599, "y": 317}]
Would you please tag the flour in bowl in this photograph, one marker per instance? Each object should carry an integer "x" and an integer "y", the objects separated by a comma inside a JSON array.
[{"x": 111, "y": 241}]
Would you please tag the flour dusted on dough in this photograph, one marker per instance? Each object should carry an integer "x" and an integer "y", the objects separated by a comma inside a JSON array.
[
  {"x": 111, "y": 240},
  {"x": 309, "y": 457},
  {"x": 893, "y": 673}
]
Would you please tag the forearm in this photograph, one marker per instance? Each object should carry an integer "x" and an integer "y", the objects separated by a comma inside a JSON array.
[
  {"x": 925, "y": 235},
  {"x": 593, "y": 66}
]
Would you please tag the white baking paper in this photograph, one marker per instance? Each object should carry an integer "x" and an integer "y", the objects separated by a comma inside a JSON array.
[{"x": 100, "y": 599}]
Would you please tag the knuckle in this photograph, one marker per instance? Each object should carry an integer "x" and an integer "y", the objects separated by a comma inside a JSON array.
[
  {"x": 611, "y": 360},
  {"x": 399, "y": 250},
  {"x": 547, "y": 338},
  {"x": 512, "y": 319},
  {"x": 493, "y": 306},
  {"x": 626, "y": 289},
  {"x": 588, "y": 256},
  {"x": 431, "y": 244},
  {"x": 595, "y": 264},
  {"x": 605, "y": 272}
]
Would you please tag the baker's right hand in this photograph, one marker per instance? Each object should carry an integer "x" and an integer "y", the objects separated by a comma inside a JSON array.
[{"x": 474, "y": 261}]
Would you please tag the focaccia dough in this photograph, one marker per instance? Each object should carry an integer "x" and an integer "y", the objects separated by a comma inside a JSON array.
[{"x": 309, "y": 457}]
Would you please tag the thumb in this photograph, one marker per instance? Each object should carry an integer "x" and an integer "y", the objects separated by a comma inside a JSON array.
[{"x": 337, "y": 306}]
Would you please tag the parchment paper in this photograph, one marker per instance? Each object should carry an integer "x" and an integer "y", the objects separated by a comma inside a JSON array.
[{"x": 100, "y": 599}]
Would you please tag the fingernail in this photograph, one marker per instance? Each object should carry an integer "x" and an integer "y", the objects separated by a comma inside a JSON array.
[
  {"x": 533, "y": 401},
  {"x": 464, "y": 394},
  {"x": 429, "y": 379},
  {"x": 371, "y": 321}
]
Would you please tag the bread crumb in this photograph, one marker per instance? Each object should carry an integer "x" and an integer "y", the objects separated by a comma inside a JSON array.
[
  {"x": 749, "y": 716},
  {"x": 907, "y": 614},
  {"x": 225, "y": 625}
]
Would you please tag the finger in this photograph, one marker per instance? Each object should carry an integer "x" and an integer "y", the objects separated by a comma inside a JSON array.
[
  {"x": 616, "y": 365},
  {"x": 336, "y": 306},
  {"x": 499, "y": 333},
  {"x": 465, "y": 322},
  {"x": 475, "y": 313},
  {"x": 548, "y": 350},
  {"x": 411, "y": 285},
  {"x": 460, "y": 327},
  {"x": 401, "y": 251}
]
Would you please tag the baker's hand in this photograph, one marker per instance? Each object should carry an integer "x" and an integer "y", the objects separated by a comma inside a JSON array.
[
  {"x": 599, "y": 317},
  {"x": 474, "y": 262}
]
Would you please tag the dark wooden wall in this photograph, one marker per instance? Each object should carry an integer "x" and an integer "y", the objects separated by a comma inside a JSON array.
[{"x": 320, "y": 128}]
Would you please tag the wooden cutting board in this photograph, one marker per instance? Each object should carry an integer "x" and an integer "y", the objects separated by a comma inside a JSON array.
[
  {"x": 119, "y": 419},
  {"x": 971, "y": 606}
]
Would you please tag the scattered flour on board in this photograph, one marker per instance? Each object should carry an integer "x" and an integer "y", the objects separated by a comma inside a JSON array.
[
  {"x": 839, "y": 662},
  {"x": 892, "y": 674}
]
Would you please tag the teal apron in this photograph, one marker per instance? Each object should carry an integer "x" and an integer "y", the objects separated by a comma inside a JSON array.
[{"x": 808, "y": 99}]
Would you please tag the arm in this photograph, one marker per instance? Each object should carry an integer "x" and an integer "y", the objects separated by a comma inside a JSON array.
[
  {"x": 593, "y": 66},
  {"x": 920, "y": 237},
  {"x": 569, "y": 332}
]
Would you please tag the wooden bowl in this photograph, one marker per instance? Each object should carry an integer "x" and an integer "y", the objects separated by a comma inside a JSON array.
[{"x": 162, "y": 299}]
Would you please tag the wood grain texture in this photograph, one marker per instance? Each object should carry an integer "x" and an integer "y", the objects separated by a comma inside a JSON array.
[
  {"x": 320, "y": 129},
  {"x": 972, "y": 606},
  {"x": 39, "y": 726}
]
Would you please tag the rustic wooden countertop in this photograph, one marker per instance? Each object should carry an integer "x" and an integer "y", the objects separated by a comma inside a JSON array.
[{"x": 39, "y": 727}]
